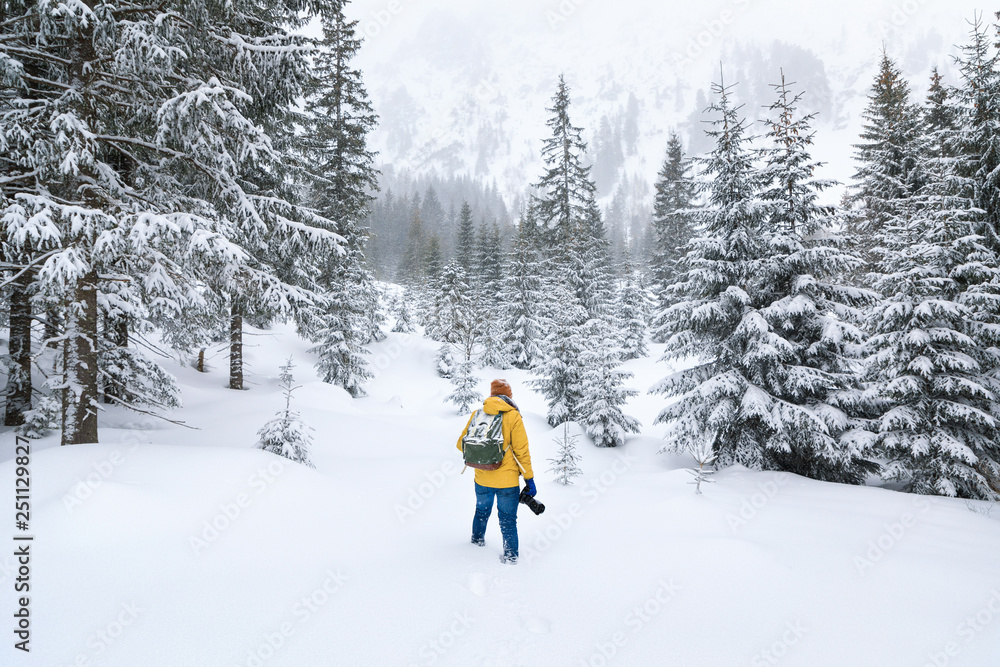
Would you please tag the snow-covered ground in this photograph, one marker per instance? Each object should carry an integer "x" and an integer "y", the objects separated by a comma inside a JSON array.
[{"x": 167, "y": 546}]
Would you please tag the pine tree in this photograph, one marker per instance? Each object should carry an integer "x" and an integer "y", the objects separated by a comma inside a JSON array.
[
  {"x": 566, "y": 465},
  {"x": 886, "y": 178},
  {"x": 601, "y": 392},
  {"x": 343, "y": 177},
  {"x": 813, "y": 321},
  {"x": 566, "y": 190},
  {"x": 401, "y": 312},
  {"x": 465, "y": 243},
  {"x": 523, "y": 303},
  {"x": 464, "y": 381},
  {"x": 560, "y": 374},
  {"x": 286, "y": 434},
  {"x": 411, "y": 265},
  {"x": 977, "y": 104},
  {"x": 931, "y": 352},
  {"x": 745, "y": 368},
  {"x": 704, "y": 455},
  {"x": 633, "y": 314},
  {"x": 432, "y": 259},
  {"x": 673, "y": 224}
]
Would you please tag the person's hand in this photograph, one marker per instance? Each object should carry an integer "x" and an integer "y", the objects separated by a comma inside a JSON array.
[{"x": 529, "y": 486}]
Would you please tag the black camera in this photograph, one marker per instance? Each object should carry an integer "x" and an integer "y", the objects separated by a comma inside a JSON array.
[{"x": 532, "y": 504}]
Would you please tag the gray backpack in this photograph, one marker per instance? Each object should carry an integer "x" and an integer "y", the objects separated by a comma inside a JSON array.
[{"x": 482, "y": 445}]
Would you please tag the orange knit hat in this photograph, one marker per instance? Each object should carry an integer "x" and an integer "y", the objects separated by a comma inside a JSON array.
[{"x": 500, "y": 388}]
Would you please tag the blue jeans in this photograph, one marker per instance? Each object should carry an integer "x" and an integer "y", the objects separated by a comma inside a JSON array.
[{"x": 507, "y": 501}]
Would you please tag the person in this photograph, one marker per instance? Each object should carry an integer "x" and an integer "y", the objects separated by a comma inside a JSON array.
[{"x": 503, "y": 483}]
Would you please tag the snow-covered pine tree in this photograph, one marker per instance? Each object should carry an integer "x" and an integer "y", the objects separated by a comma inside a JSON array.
[
  {"x": 465, "y": 243},
  {"x": 566, "y": 190},
  {"x": 464, "y": 383},
  {"x": 342, "y": 175},
  {"x": 886, "y": 177},
  {"x": 601, "y": 393},
  {"x": 633, "y": 314},
  {"x": 489, "y": 298},
  {"x": 432, "y": 259},
  {"x": 523, "y": 302},
  {"x": 566, "y": 465},
  {"x": 933, "y": 337},
  {"x": 673, "y": 225},
  {"x": 411, "y": 265},
  {"x": 401, "y": 313},
  {"x": 754, "y": 311},
  {"x": 287, "y": 434},
  {"x": 816, "y": 401},
  {"x": 712, "y": 319},
  {"x": 703, "y": 454},
  {"x": 560, "y": 373},
  {"x": 977, "y": 106},
  {"x": 444, "y": 362}
]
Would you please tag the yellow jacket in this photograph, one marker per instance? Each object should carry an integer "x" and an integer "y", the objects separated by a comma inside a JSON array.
[{"x": 514, "y": 434}]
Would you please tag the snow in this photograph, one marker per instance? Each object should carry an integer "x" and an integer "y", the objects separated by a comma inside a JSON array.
[{"x": 366, "y": 560}]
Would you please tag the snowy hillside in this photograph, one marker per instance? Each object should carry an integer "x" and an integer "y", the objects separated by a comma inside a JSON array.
[{"x": 169, "y": 546}]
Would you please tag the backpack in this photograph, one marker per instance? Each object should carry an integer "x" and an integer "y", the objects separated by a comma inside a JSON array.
[{"x": 482, "y": 445}]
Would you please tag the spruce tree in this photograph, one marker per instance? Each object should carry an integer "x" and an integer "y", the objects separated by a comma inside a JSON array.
[
  {"x": 343, "y": 176},
  {"x": 566, "y": 191},
  {"x": 560, "y": 373},
  {"x": 886, "y": 178},
  {"x": 633, "y": 314},
  {"x": 465, "y": 243},
  {"x": 673, "y": 224},
  {"x": 523, "y": 303},
  {"x": 287, "y": 434},
  {"x": 566, "y": 465},
  {"x": 931, "y": 350},
  {"x": 758, "y": 382},
  {"x": 977, "y": 104},
  {"x": 601, "y": 393}
]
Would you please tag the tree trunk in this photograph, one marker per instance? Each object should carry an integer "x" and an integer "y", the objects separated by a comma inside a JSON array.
[
  {"x": 236, "y": 348},
  {"x": 80, "y": 358},
  {"x": 201, "y": 360},
  {"x": 19, "y": 378},
  {"x": 53, "y": 324}
]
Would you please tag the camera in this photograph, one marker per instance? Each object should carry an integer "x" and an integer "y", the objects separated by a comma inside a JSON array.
[{"x": 532, "y": 504}]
